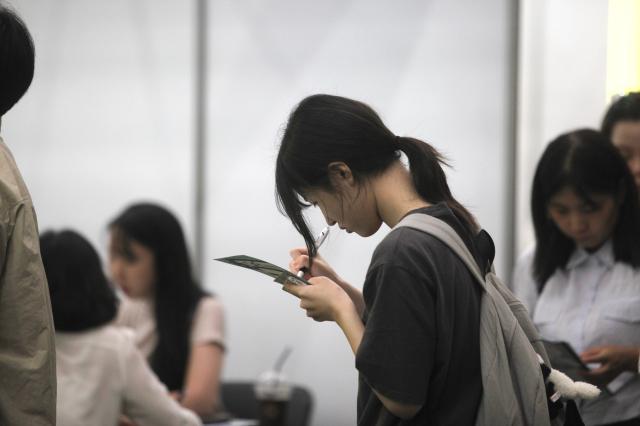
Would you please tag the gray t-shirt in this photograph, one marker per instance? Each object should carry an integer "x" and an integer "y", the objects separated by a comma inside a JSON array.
[{"x": 422, "y": 316}]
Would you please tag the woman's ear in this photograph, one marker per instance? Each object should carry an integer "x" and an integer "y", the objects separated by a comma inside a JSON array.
[{"x": 340, "y": 174}]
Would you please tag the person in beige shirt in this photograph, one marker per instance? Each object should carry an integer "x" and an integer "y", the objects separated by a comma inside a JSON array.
[
  {"x": 178, "y": 326},
  {"x": 27, "y": 354},
  {"x": 101, "y": 373}
]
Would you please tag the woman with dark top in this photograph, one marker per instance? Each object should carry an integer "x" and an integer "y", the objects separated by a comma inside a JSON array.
[
  {"x": 178, "y": 326},
  {"x": 101, "y": 373},
  {"x": 581, "y": 282},
  {"x": 414, "y": 328}
]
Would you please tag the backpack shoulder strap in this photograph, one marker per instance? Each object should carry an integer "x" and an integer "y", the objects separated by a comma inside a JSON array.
[{"x": 445, "y": 233}]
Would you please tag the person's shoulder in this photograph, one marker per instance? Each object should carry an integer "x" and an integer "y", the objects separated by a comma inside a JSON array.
[
  {"x": 209, "y": 322},
  {"x": 113, "y": 336},
  {"x": 209, "y": 305},
  {"x": 408, "y": 251},
  {"x": 209, "y": 310},
  {"x": 407, "y": 243},
  {"x": 210, "y": 302},
  {"x": 12, "y": 187},
  {"x": 106, "y": 349},
  {"x": 107, "y": 338},
  {"x": 406, "y": 239}
]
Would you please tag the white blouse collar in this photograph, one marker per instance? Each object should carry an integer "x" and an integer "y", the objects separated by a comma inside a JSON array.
[{"x": 604, "y": 256}]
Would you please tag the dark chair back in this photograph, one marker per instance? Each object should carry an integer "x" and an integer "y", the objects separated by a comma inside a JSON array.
[{"x": 239, "y": 400}]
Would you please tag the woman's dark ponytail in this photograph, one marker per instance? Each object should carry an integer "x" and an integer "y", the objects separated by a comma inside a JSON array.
[{"x": 425, "y": 164}]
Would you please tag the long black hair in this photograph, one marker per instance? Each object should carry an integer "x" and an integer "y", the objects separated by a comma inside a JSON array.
[
  {"x": 625, "y": 108},
  {"x": 176, "y": 293},
  {"x": 323, "y": 129},
  {"x": 17, "y": 59},
  {"x": 81, "y": 296},
  {"x": 586, "y": 162}
]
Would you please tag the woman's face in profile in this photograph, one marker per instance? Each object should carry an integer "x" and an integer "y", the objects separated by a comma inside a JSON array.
[
  {"x": 353, "y": 212},
  {"x": 625, "y": 135},
  {"x": 588, "y": 224},
  {"x": 132, "y": 267}
]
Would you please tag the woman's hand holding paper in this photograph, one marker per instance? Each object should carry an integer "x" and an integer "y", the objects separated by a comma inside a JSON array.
[{"x": 324, "y": 300}]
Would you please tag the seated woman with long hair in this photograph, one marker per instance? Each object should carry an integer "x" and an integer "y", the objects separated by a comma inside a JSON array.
[
  {"x": 581, "y": 283},
  {"x": 179, "y": 327},
  {"x": 100, "y": 372}
]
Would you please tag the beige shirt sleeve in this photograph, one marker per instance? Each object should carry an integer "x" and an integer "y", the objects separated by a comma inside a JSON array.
[
  {"x": 208, "y": 323},
  {"x": 146, "y": 400},
  {"x": 27, "y": 351}
]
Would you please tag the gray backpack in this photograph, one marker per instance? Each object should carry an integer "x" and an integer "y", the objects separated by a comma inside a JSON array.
[{"x": 513, "y": 386}]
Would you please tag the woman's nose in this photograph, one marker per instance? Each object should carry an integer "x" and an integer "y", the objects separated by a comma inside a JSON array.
[
  {"x": 634, "y": 165},
  {"x": 578, "y": 223},
  {"x": 330, "y": 222},
  {"x": 115, "y": 268}
]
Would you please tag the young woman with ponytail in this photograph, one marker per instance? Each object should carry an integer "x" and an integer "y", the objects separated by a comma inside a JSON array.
[{"x": 414, "y": 327}]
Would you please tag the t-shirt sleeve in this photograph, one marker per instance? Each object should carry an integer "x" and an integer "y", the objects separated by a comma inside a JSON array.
[
  {"x": 208, "y": 323},
  {"x": 397, "y": 351}
]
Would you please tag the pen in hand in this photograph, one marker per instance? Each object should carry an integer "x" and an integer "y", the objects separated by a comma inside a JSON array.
[{"x": 319, "y": 240}]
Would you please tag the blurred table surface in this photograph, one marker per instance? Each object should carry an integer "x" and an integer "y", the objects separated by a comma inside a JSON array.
[{"x": 234, "y": 422}]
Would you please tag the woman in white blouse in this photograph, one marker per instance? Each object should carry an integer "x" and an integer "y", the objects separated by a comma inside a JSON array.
[
  {"x": 178, "y": 326},
  {"x": 581, "y": 282},
  {"x": 100, "y": 372}
]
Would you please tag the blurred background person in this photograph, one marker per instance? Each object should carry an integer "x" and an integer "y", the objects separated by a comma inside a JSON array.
[
  {"x": 27, "y": 353},
  {"x": 101, "y": 373},
  {"x": 621, "y": 124},
  {"x": 178, "y": 326},
  {"x": 581, "y": 282}
]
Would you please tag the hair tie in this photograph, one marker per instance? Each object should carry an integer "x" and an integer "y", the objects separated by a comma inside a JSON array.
[{"x": 396, "y": 141}]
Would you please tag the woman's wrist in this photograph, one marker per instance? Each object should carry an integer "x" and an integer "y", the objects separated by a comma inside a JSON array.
[
  {"x": 345, "y": 311},
  {"x": 351, "y": 324},
  {"x": 342, "y": 283}
]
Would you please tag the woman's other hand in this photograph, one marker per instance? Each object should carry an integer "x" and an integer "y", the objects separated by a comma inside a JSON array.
[
  {"x": 613, "y": 361},
  {"x": 324, "y": 300},
  {"x": 320, "y": 267}
]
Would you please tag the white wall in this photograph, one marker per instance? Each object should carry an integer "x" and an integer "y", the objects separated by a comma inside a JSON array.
[
  {"x": 108, "y": 118},
  {"x": 562, "y": 83},
  {"x": 437, "y": 70}
]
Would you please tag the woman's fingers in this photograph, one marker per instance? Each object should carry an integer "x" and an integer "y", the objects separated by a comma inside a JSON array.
[
  {"x": 298, "y": 251},
  {"x": 321, "y": 299},
  {"x": 292, "y": 288},
  {"x": 299, "y": 262},
  {"x": 595, "y": 372},
  {"x": 592, "y": 354}
]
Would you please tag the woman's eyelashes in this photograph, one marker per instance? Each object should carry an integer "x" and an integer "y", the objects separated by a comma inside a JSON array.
[{"x": 584, "y": 209}]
